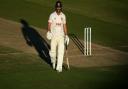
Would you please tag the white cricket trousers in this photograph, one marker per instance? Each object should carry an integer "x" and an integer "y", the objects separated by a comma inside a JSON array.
[{"x": 57, "y": 51}]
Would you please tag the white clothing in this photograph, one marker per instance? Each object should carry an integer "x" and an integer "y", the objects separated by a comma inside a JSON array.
[
  {"x": 57, "y": 51},
  {"x": 57, "y": 23},
  {"x": 57, "y": 41}
]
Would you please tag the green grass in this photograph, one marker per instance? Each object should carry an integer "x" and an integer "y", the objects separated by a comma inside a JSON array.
[
  {"x": 108, "y": 18},
  {"x": 27, "y": 71}
]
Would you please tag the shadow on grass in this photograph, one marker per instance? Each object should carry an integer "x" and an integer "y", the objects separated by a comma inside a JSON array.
[
  {"x": 33, "y": 38},
  {"x": 77, "y": 42}
]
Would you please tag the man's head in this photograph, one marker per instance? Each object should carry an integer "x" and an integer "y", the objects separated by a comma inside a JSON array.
[{"x": 58, "y": 6}]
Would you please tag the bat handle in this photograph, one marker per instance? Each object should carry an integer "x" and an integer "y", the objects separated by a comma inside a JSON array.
[{"x": 68, "y": 63}]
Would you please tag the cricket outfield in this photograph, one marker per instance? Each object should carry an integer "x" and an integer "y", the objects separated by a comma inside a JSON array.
[{"x": 21, "y": 67}]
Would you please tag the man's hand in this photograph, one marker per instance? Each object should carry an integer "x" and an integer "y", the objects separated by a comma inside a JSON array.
[
  {"x": 49, "y": 35},
  {"x": 66, "y": 40}
]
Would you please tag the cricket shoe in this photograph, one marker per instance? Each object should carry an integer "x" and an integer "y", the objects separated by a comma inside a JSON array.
[{"x": 59, "y": 70}]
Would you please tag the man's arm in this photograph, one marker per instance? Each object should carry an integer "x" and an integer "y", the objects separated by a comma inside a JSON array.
[
  {"x": 49, "y": 26},
  {"x": 65, "y": 29},
  {"x": 66, "y": 35}
]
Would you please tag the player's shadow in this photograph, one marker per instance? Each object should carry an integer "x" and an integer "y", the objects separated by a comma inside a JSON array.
[{"x": 34, "y": 39}]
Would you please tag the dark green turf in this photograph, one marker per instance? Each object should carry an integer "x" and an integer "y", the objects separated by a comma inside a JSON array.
[
  {"x": 27, "y": 71},
  {"x": 18, "y": 72},
  {"x": 108, "y": 19}
]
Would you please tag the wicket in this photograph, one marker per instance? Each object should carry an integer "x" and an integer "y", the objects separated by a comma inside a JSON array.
[{"x": 87, "y": 41}]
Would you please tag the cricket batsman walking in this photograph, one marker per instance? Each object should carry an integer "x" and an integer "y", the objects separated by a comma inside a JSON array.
[{"x": 57, "y": 33}]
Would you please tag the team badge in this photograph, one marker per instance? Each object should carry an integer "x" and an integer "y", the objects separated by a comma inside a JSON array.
[{"x": 61, "y": 19}]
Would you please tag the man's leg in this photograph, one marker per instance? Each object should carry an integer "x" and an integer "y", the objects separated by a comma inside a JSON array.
[
  {"x": 53, "y": 52},
  {"x": 60, "y": 54}
]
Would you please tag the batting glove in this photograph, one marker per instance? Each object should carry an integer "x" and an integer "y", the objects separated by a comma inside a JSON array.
[
  {"x": 66, "y": 40},
  {"x": 49, "y": 35}
]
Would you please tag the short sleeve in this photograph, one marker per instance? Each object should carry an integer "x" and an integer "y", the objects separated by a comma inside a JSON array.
[
  {"x": 50, "y": 19},
  {"x": 64, "y": 19}
]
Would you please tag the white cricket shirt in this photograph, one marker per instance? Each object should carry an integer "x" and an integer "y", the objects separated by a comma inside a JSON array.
[{"x": 57, "y": 22}]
